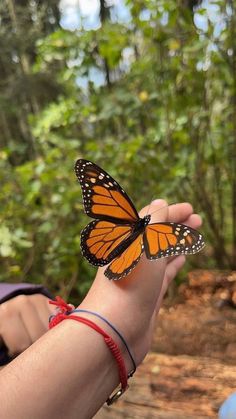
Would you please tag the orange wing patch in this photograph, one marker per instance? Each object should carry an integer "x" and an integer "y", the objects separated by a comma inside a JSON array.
[
  {"x": 159, "y": 238},
  {"x": 112, "y": 204},
  {"x": 100, "y": 239},
  {"x": 170, "y": 239},
  {"x": 121, "y": 200},
  {"x": 122, "y": 265},
  {"x": 100, "y": 190}
]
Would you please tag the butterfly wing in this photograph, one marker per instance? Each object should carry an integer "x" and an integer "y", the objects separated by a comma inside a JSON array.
[
  {"x": 103, "y": 197},
  {"x": 171, "y": 239},
  {"x": 101, "y": 241},
  {"x": 123, "y": 264}
]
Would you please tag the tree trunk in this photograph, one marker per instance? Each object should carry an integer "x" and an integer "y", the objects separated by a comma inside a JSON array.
[{"x": 104, "y": 15}]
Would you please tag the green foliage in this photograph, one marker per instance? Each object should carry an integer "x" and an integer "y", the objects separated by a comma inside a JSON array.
[
  {"x": 43, "y": 239},
  {"x": 163, "y": 123}
]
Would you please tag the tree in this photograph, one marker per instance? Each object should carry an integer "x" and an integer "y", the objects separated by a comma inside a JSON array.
[{"x": 23, "y": 92}]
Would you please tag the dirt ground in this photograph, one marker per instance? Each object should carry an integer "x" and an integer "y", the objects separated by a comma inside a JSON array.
[
  {"x": 201, "y": 321},
  {"x": 191, "y": 368}
]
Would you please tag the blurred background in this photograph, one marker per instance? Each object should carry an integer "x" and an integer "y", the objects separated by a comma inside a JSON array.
[{"x": 146, "y": 89}]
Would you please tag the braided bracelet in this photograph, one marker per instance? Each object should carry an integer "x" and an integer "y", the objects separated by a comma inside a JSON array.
[
  {"x": 113, "y": 347},
  {"x": 115, "y": 330}
]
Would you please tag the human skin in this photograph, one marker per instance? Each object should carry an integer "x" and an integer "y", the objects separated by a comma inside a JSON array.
[
  {"x": 69, "y": 372},
  {"x": 23, "y": 319}
]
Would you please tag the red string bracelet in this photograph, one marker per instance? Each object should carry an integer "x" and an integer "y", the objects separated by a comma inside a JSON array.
[{"x": 113, "y": 347}]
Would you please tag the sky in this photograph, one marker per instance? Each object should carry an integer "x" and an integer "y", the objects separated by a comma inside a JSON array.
[
  {"x": 76, "y": 13},
  {"x": 85, "y": 12}
]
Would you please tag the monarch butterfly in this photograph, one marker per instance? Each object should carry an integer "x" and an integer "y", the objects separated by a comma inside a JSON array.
[{"x": 118, "y": 236}]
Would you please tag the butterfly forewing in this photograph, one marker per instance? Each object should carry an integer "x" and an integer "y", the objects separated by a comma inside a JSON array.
[
  {"x": 103, "y": 197},
  {"x": 171, "y": 239},
  {"x": 102, "y": 240},
  {"x": 123, "y": 265}
]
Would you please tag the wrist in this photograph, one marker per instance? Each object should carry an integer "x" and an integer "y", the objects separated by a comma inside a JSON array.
[
  {"x": 112, "y": 330},
  {"x": 130, "y": 317},
  {"x": 67, "y": 313}
]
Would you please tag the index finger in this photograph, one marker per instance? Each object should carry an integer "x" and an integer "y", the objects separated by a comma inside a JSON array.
[
  {"x": 158, "y": 209},
  {"x": 161, "y": 211},
  {"x": 178, "y": 213}
]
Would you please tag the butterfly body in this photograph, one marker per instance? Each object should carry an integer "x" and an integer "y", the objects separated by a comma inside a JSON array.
[
  {"x": 117, "y": 235},
  {"x": 142, "y": 223},
  {"x": 137, "y": 229}
]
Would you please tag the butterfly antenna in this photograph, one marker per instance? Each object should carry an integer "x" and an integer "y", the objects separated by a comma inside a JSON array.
[
  {"x": 165, "y": 206},
  {"x": 150, "y": 205}
]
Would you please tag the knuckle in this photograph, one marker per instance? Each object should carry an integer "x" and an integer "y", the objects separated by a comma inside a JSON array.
[
  {"x": 38, "y": 297},
  {"x": 21, "y": 298},
  {"x": 4, "y": 310}
]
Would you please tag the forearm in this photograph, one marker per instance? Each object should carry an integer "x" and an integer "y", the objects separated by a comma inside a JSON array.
[{"x": 69, "y": 372}]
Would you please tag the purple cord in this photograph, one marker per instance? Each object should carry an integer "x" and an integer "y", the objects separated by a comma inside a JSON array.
[{"x": 115, "y": 330}]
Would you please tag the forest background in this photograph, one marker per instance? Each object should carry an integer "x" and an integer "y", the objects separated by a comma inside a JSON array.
[{"x": 144, "y": 88}]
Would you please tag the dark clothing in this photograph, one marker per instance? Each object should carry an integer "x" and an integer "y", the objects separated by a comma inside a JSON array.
[{"x": 8, "y": 291}]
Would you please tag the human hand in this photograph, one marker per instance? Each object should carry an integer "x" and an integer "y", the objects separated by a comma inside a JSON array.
[
  {"x": 23, "y": 319},
  {"x": 132, "y": 303}
]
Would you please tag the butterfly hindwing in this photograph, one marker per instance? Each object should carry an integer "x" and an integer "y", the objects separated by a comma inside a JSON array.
[
  {"x": 103, "y": 197},
  {"x": 123, "y": 264},
  {"x": 101, "y": 241},
  {"x": 171, "y": 239}
]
